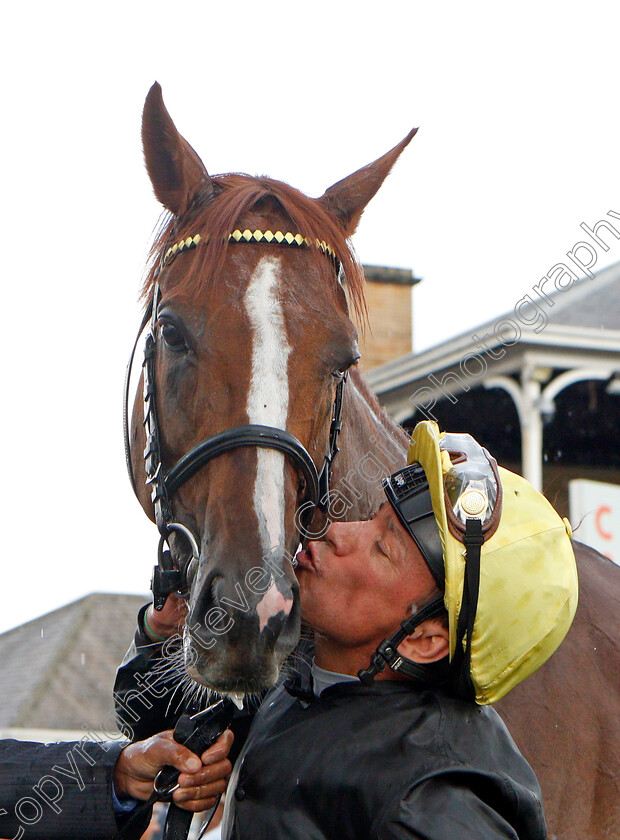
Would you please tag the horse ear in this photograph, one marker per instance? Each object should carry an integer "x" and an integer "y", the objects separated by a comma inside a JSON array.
[
  {"x": 347, "y": 199},
  {"x": 176, "y": 172}
]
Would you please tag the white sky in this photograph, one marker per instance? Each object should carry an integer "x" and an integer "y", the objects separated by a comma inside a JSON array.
[{"x": 518, "y": 112}]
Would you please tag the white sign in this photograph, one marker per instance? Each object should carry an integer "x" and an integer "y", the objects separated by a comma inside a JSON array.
[{"x": 596, "y": 505}]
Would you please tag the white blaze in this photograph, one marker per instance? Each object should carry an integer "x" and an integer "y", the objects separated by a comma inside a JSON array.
[{"x": 268, "y": 395}]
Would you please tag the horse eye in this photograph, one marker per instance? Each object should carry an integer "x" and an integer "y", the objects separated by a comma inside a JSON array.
[
  {"x": 173, "y": 337},
  {"x": 342, "y": 372}
]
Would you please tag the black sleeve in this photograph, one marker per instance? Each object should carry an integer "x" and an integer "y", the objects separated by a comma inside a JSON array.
[
  {"x": 57, "y": 790},
  {"x": 147, "y": 692},
  {"x": 463, "y": 806}
]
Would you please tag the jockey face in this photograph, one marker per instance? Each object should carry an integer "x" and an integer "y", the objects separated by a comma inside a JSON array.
[{"x": 358, "y": 584}]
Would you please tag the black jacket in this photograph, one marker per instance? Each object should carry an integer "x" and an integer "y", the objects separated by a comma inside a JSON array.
[
  {"x": 387, "y": 762},
  {"x": 39, "y": 800}
]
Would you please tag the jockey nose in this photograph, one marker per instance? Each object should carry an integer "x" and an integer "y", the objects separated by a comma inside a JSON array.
[{"x": 344, "y": 537}]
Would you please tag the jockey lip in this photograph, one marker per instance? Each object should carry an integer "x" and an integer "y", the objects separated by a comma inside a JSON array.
[{"x": 306, "y": 559}]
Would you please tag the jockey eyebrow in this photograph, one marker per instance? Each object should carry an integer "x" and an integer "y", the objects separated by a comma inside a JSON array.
[
  {"x": 392, "y": 527},
  {"x": 396, "y": 531},
  {"x": 375, "y": 512}
]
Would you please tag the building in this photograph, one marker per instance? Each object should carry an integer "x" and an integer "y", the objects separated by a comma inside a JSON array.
[{"x": 387, "y": 335}]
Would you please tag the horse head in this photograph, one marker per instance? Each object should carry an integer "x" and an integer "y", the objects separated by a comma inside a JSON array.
[{"x": 249, "y": 285}]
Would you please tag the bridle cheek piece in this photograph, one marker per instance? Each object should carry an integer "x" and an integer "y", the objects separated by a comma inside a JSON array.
[{"x": 166, "y": 577}]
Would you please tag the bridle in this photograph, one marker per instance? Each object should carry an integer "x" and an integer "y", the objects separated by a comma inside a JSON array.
[{"x": 164, "y": 483}]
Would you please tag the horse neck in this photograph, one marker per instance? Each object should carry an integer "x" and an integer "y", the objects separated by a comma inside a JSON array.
[{"x": 372, "y": 446}]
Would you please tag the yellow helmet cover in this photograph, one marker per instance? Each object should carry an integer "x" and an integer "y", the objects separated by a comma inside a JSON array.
[{"x": 528, "y": 587}]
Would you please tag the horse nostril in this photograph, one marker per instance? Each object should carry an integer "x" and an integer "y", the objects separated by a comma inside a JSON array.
[
  {"x": 301, "y": 486},
  {"x": 273, "y": 628}
]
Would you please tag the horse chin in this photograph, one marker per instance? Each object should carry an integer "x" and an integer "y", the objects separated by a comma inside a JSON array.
[{"x": 218, "y": 674}]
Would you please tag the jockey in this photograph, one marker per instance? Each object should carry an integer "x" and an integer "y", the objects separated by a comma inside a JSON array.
[{"x": 461, "y": 585}]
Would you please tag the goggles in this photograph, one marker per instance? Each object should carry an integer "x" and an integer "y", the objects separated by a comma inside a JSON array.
[
  {"x": 471, "y": 489},
  {"x": 471, "y": 482}
]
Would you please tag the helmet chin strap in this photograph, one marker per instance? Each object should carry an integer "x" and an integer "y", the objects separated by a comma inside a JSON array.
[{"x": 387, "y": 653}]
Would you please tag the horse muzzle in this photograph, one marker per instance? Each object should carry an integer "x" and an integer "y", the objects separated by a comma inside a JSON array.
[{"x": 239, "y": 631}]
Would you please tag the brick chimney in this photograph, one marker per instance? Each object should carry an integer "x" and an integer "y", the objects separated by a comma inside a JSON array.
[{"x": 388, "y": 297}]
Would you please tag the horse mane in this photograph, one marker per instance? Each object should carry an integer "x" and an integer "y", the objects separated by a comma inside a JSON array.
[
  {"x": 389, "y": 424},
  {"x": 214, "y": 220}
]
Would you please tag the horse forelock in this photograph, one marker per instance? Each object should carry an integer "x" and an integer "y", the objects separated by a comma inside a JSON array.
[{"x": 236, "y": 194}]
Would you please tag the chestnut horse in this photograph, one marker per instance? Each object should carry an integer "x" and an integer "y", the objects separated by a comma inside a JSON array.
[
  {"x": 250, "y": 283},
  {"x": 250, "y": 332}
]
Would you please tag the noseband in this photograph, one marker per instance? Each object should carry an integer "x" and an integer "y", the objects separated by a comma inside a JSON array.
[{"x": 166, "y": 578}]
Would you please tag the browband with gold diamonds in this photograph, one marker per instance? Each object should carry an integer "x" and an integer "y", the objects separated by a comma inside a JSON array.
[{"x": 268, "y": 236}]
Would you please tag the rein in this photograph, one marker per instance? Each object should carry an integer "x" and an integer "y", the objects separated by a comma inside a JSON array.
[{"x": 166, "y": 578}]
